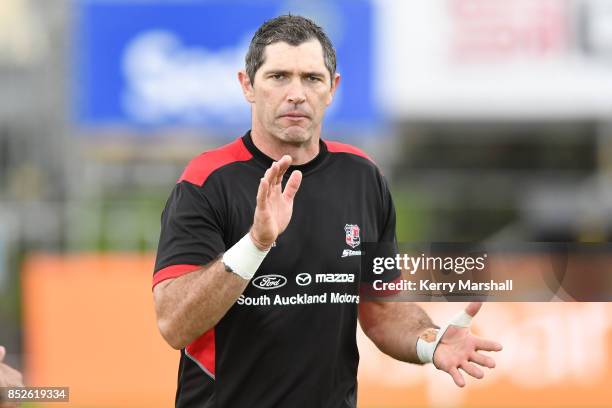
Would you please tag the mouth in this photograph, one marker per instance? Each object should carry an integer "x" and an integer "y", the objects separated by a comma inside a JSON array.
[{"x": 294, "y": 116}]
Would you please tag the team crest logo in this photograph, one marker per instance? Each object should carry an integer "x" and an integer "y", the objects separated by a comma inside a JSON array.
[{"x": 352, "y": 235}]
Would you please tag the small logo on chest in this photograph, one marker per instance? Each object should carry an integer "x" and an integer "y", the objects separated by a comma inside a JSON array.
[
  {"x": 268, "y": 282},
  {"x": 352, "y": 237}
]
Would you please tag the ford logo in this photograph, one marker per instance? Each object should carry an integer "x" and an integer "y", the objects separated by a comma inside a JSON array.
[{"x": 267, "y": 282}]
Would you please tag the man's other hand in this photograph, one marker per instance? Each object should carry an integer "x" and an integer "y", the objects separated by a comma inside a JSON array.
[{"x": 459, "y": 349}]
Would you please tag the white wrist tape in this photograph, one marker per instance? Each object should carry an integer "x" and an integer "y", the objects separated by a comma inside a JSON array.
[
  {"x": 426, "y": 350},
  {"x": 244, "y": 257}
]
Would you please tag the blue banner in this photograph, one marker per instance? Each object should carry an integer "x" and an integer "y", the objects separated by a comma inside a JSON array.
[{"x": 174, "y": 63}]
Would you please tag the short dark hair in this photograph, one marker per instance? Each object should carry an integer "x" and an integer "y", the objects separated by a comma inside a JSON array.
[{"x": 293, "y": 30}]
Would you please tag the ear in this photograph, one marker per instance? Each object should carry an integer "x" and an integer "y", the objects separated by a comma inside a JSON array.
[
  {"x": 334, "y": 86},
  {"x": 247, "y": 87}
]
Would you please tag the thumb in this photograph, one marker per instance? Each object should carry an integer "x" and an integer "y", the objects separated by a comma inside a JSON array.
[
  {"x": 293, "y": 184},
  {"x": 473, "y": 308},
  {"x": 2, "y": 353}
]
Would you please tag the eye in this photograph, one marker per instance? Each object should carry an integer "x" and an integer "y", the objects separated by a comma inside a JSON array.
[
  {"x": 313, "y": 78},
  {"x": 277, "y": 76}
]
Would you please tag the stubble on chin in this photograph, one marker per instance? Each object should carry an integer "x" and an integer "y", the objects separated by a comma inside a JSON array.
[
  {"x": 293, "y": 135},
  {"x": 296, "y": 136}
]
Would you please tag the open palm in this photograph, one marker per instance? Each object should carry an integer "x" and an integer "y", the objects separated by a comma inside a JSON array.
[
  {"x": 458, "y": 349},
  {"x": 274, "y": 206}
]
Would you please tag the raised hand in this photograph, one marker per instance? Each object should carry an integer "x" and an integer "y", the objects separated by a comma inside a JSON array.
[
  {"x": 458, "y": 349},
  {"x": 274, "y": 206},
  {"x": 9, "y": 377}
]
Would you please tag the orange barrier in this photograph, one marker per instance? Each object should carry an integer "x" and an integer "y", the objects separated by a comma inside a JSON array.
[
  {"x": 555, "y": 355},
  {"x": 89, "y": 324}
]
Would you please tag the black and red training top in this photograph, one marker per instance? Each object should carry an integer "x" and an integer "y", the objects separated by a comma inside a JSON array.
[{"x": 290, "y": 339}]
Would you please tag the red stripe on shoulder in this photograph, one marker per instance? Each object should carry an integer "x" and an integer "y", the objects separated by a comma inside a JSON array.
[
  {"x": 198, "y": 169},
  {"x": 173, "y": 271},
  {"x": 337, "y": 147}
]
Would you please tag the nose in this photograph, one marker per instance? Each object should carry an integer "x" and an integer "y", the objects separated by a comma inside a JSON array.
[{"x": 295, "y": 93}]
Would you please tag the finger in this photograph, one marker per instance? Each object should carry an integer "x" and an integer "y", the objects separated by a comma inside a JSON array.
[
  {"x": 293, "y": 184},
  {"x": 270, "y": 174},
  {"x": 472, "y": 370},
  {"x": 262, "y": 194},
  {"x": 270, "y": 177},
  {"x": 283, "y": 165},
  {"x": 2, "y": 353},
  {"x": 488, "y": 345},
  {"x": 473, "y": 308},
  {"x": 482, "y": 360},
  {"x": 457, "y": 377},
  {"x": 267, "y": 175}
]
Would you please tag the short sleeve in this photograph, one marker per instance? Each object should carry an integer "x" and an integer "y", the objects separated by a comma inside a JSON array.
[
  {"x": 191, "y": 232},
  {"x": 386, "y": 246},
  {"x": 388, "y": 215}
]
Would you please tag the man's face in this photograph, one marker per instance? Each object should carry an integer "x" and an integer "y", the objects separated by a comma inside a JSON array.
[{"x": 291, "y": 91}]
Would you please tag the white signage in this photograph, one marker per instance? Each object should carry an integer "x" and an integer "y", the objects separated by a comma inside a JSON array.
[{"x": 495, "y": 58}]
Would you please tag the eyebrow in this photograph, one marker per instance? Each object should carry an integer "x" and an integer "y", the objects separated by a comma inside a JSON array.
[
  {"x": 315, "y": 74},
  {"x": 287, "y": 73}
]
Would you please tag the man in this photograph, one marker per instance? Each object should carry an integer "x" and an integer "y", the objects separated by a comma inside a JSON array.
[
  {"x": 9, "y": 377},
  {"x": 258, "y": 268}
]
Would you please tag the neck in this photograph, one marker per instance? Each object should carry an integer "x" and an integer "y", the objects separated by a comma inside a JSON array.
[{"x": 274, "y": 148}]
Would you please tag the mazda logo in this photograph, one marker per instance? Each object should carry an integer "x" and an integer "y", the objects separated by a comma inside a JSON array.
[{"x": 303, "y": 279}]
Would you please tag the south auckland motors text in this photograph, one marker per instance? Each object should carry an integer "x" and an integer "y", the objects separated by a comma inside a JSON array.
[{"x": 300, "y": 299}]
